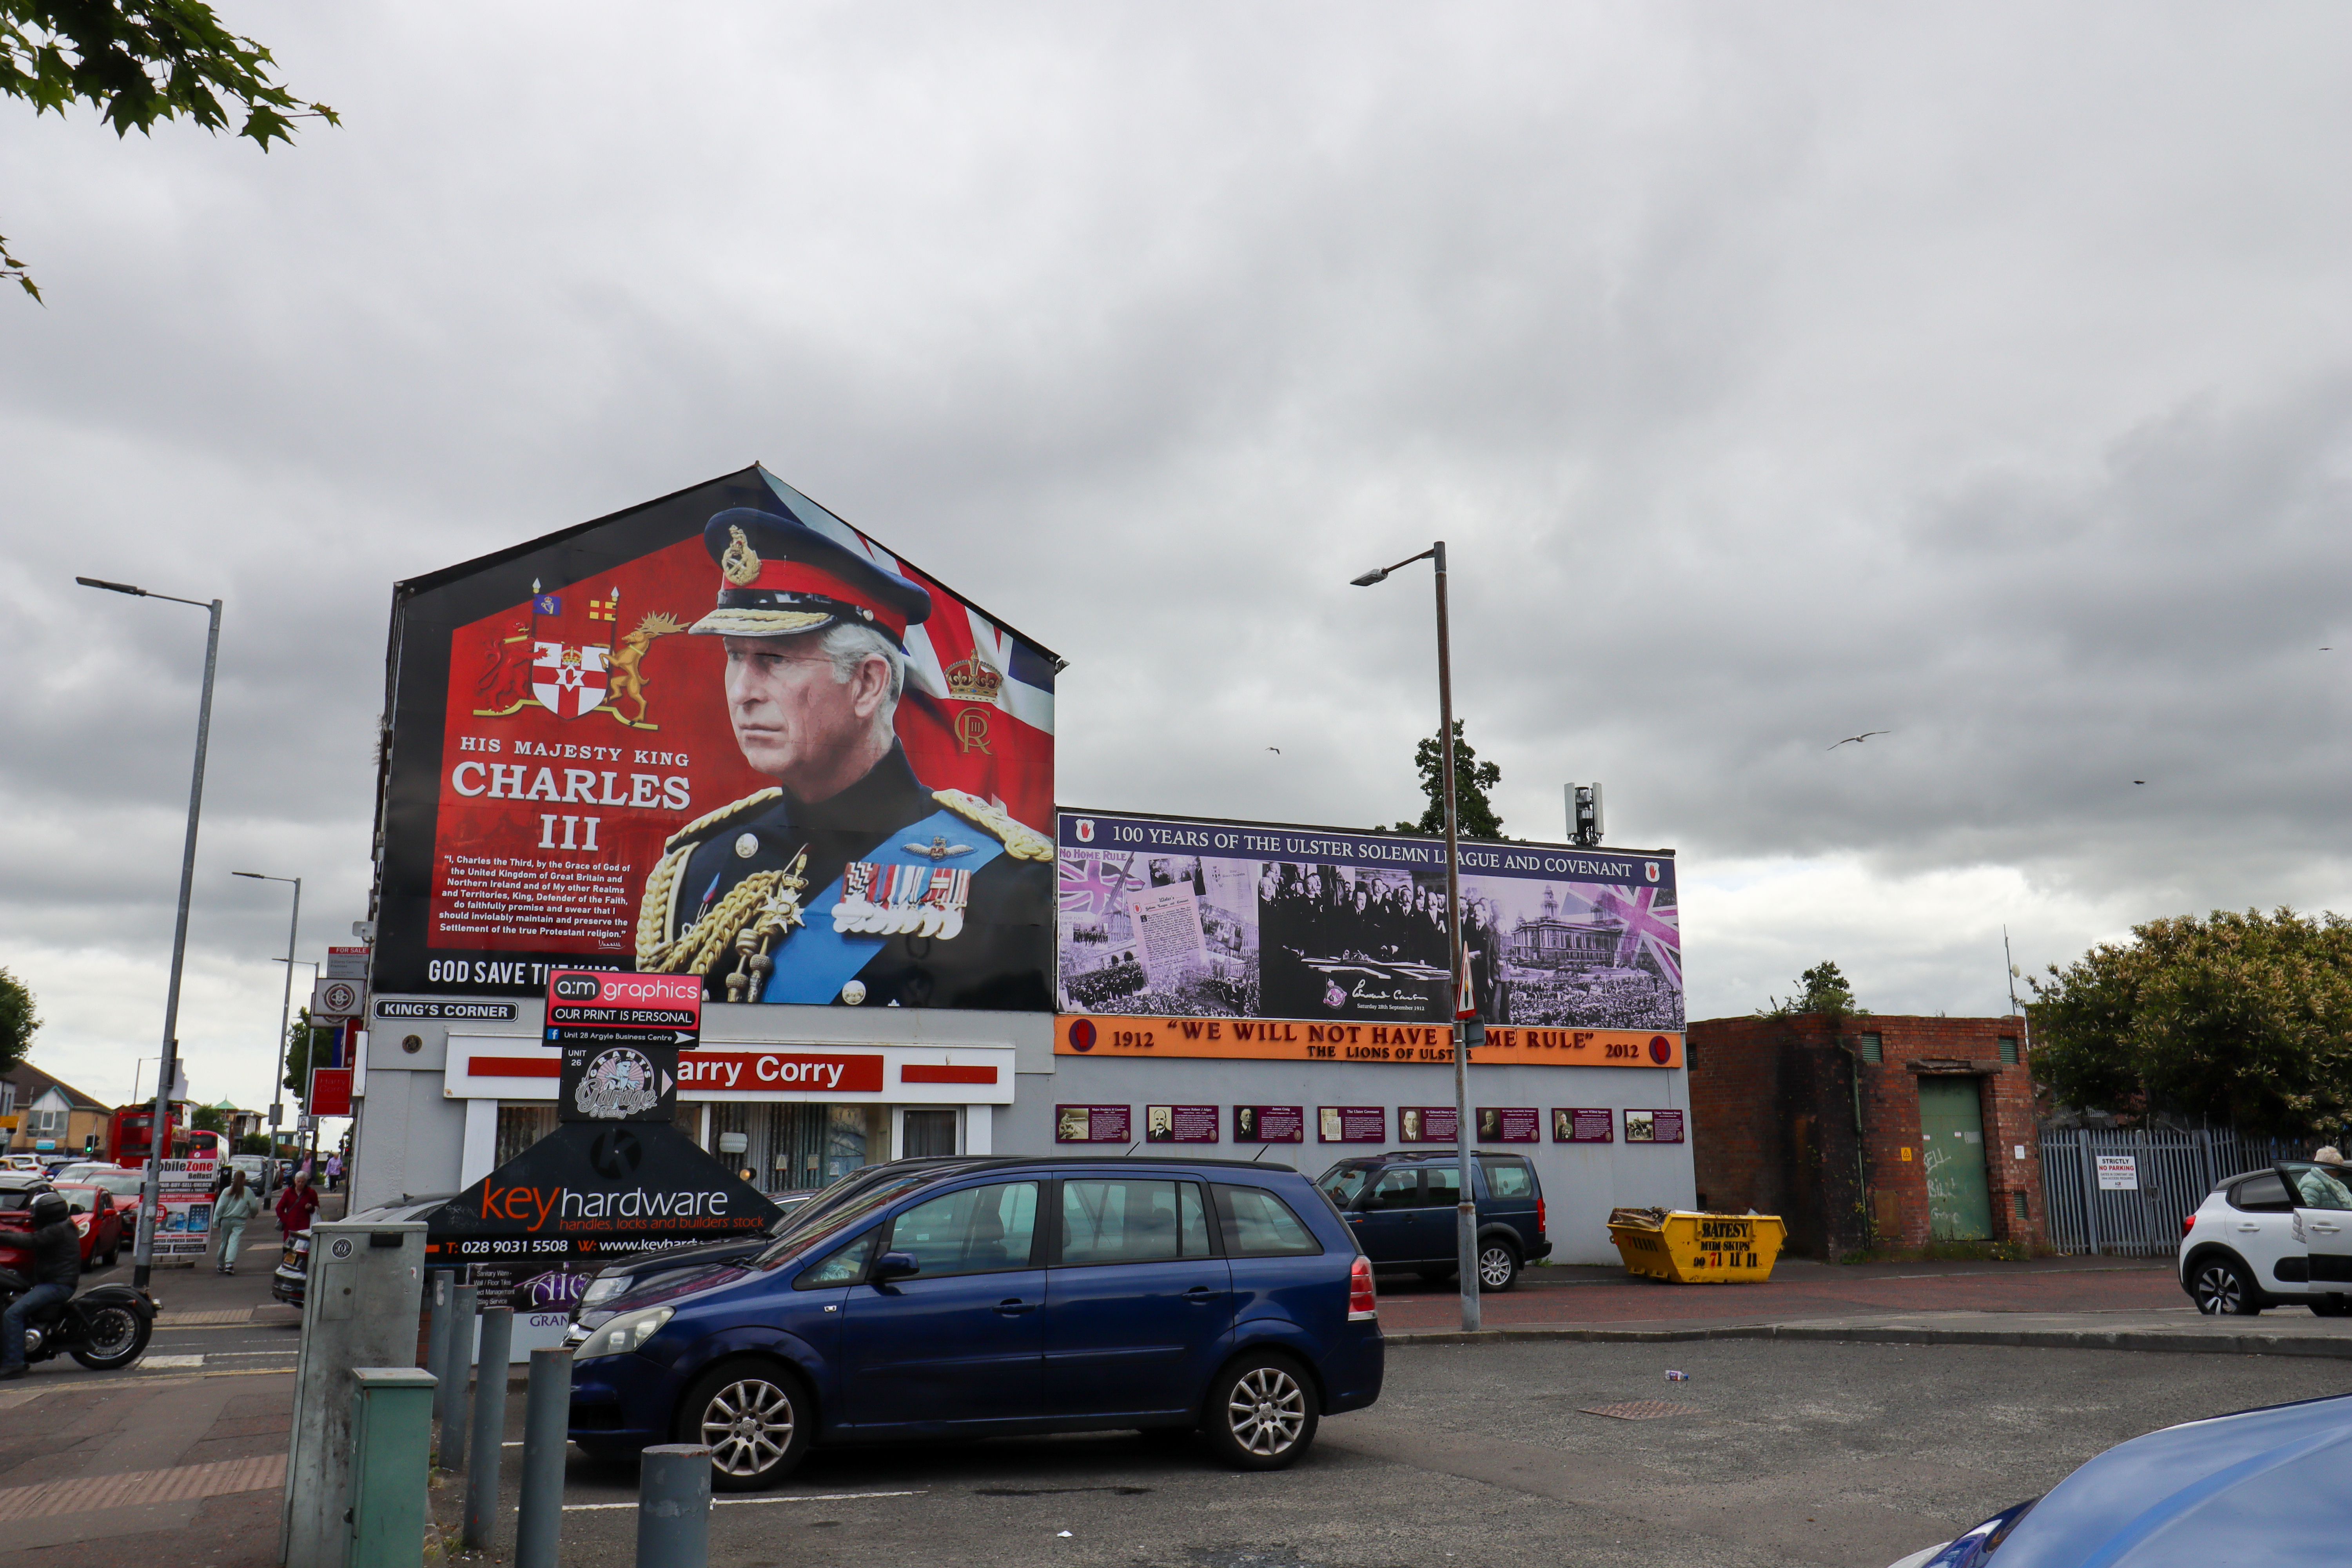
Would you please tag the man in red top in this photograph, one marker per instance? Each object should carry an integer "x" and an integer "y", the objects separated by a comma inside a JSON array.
[{"x": 296, "y": 1204}]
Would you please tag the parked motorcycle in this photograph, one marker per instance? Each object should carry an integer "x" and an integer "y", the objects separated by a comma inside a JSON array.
[{"x": 103, "y": 1329}]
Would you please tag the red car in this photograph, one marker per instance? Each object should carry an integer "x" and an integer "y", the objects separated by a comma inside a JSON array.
[{"x": 105, "y": 1226}]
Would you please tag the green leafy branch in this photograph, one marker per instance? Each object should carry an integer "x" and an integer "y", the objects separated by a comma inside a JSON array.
[{"x": 138, "y": 62}]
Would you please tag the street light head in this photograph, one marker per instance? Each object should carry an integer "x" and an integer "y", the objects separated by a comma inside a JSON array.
[
  {"x": 255, "y": 875},
  {"x": 1380, "y": 574},
  {"x": 111, "y": 587}
]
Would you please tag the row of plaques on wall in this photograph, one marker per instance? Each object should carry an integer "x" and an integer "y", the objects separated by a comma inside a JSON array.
[{"x": 1362, "y": 1124}]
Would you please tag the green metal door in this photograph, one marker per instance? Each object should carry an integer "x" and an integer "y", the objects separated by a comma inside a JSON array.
[{"x": 1951, "y": 1138}]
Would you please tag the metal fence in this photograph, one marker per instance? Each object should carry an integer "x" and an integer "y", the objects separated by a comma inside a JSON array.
[{"x": 2168, "y": 1172}]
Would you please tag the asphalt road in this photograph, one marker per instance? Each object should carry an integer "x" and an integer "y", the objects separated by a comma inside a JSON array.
[{"x": 1791, "y": 1453}]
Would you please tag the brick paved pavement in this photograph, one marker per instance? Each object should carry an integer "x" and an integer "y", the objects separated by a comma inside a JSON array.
[{"x": 1797, "y": 1290}]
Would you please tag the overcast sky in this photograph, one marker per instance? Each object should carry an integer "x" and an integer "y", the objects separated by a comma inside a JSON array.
[{"x": 1979, "y": 374}]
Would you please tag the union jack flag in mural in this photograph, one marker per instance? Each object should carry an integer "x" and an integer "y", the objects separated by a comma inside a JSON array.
[
  {"x": 1091, "y": 884},
  {"x": 1648, "y": 929}
]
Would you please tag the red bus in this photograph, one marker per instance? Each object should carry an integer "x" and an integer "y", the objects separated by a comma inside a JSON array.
[{"x": 130, "y": 1128}]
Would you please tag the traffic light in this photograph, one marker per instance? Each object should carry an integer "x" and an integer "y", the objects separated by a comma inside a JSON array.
[{"x": 1584, "y": 814}]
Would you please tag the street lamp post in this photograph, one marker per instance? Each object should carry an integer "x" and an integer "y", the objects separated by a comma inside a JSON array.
[
  {"x": 285, "y": 1005},
  {"x": 143, "y": 1254},
  {"x": 1466, "y": 1213}
]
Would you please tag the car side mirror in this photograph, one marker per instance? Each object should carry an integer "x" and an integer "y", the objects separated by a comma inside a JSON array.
[{"x": 895, "y": 1265}]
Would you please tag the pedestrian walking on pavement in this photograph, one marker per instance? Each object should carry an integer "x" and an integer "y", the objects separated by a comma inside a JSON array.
[
  {"x": 334, "y": 1169},
  {"x": 237, "y": 1205},
  {"x": 296, "y": 1204}
]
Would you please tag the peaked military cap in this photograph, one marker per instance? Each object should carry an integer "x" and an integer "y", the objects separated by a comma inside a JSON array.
[{"x": 779, "y": 577}]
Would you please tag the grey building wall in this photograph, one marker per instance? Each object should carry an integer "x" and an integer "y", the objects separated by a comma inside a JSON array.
[
  {"x": 411, "y": 1136},
  {"x": 1581, "y": 1182}
]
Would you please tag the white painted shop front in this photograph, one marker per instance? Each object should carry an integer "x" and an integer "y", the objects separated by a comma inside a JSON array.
[{"x": 795, "y": 1096}]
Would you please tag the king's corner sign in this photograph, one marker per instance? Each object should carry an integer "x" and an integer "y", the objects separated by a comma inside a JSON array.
[{"x": 1290, "y": 1039}]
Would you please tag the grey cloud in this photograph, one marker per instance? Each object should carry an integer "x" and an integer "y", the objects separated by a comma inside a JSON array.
[{"x": 1974, "y": 377}]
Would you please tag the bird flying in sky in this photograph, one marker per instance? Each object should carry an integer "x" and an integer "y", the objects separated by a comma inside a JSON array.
[
  {"x": 1858, "y": 740},
  {"x": 1275, "y": 750}
]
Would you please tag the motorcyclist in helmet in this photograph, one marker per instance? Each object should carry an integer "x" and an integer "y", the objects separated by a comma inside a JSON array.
[{"x": 57, "y": 1269}]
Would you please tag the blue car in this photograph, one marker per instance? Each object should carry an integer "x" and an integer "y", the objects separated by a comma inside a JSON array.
[
  {"x": 2261, "y": 1486},
  {"x": 999, "y": 1297}
]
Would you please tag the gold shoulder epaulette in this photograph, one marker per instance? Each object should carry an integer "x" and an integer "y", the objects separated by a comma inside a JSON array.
[
  {"x": 711, "y": 822},
  {"x": 1021, "y": 842}
]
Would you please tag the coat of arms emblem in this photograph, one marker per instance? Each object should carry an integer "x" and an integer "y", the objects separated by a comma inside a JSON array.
[{"x": 569, "y": 678}]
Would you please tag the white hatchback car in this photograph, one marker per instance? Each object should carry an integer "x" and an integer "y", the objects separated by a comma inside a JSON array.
[{"x": 2272, "y": 1239}]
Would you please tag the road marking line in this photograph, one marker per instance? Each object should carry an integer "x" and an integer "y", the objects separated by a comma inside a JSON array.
[
  {"x": 187, "y": 1483},
  {"x": 207, "y": 1319},
  {"x": 172, "y": 1361},
  {"x": 734, "y": 1502}
]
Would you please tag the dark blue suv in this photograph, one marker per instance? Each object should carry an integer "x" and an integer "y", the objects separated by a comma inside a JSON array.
[
  {"x": 1404, "y": 1210},
  {"x": 995, "y": 1296}
]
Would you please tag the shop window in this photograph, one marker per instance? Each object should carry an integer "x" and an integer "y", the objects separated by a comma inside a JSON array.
[
  {"x": 798, "y": 1148},
  {"x": 521, "y": 1123},
  {"x": 2009, "y": 1050},
  {"x": 1872, "y": 1049},
  {"x": 929, "y": 1132}
]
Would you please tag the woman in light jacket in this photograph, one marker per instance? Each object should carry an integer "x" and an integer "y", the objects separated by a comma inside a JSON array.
[{"x": 236, "y": 1206}]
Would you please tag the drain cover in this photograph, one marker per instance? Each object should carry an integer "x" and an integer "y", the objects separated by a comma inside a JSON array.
[{"x": 1643, "y": 1410}]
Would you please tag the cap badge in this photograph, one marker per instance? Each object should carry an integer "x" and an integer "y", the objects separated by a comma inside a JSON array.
[
  {"x": 740, "y": 563},
  {"x": 746, "y": 845}
]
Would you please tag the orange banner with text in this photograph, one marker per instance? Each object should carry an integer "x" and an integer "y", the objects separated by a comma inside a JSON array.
[{"x": 1291, "y": 1040}]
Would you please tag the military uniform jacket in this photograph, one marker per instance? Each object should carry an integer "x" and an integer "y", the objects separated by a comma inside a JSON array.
[{"x": 905, "y": 896}]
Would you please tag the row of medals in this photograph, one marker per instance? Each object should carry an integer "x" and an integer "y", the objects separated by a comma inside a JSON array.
[{"x": 914, "y": 901}]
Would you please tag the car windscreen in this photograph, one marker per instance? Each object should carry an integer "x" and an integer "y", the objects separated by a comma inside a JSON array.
[
  {"x": 812, "y": 1229},
  {"x": 1341, "y": 1182}
]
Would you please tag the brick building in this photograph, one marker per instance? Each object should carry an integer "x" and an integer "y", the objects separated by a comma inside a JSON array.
[
  {"x": 1888, "y": 1132},
  {"x": 42, "y": 1114}
]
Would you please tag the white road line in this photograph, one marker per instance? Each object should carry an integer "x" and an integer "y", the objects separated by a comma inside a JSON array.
[
  {"x": 172, "y": 1361},
  {"x": 733, "y": 1501}
]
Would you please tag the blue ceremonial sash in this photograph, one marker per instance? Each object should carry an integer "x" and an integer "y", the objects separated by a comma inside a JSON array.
[{"x": 813, "y": 962}]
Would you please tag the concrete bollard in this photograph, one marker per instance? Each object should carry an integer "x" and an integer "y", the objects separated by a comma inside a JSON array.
[
  {"x": 674, "y": 1507},
  {"x": 437, "y": 1338},
  {"x": 489, "y": 1429},
  {"x": 454, "y": 1366},
  {"x": 546, "y": 1422}
]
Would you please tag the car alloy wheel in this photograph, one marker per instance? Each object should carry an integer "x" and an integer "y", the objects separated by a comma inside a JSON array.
[
  {"x": 1498, "y": 1266},
  {"x": 748, "y": 1426},
  {"x": 1267, "y": 1410},
  {"x": 2218, "y": 1291}
]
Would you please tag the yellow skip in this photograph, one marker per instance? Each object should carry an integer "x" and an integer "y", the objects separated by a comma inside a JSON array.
[{"x": 1687, "y": 1248}]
